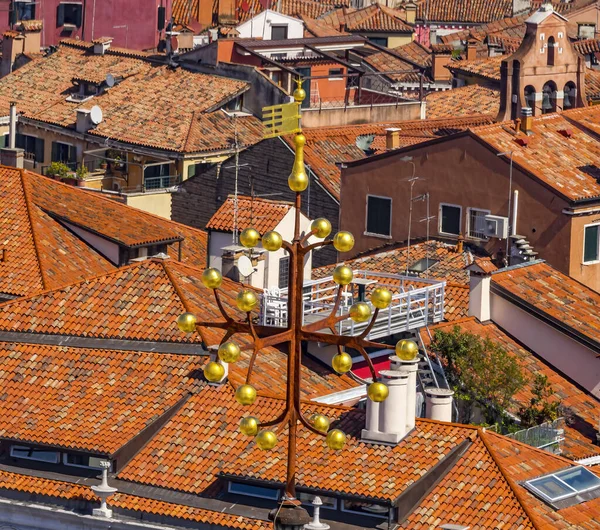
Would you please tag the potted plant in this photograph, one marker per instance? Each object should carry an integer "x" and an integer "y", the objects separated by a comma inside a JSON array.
[
  {"x": 58, "y": 171},
  {"x": 81, "y": 174},
  {"x": 103, "y": 164}
]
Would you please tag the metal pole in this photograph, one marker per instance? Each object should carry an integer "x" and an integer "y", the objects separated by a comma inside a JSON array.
[{"x": 510, "y": 177}]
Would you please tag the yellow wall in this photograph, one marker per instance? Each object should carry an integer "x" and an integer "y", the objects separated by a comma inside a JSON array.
[
  {"x": 394, "y": 42},
  {"x": 158, "y": 203}
]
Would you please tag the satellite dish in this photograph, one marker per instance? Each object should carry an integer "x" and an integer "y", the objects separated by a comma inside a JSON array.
[
  {"x": 110, "y": 80},
  {"x": 364, "y": 142},
  {"x": 96, "y": 115},
  {"x": 245, "y": 267}
]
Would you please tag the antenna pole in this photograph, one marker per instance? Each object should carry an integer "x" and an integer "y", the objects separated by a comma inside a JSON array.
[{"x": 235, "y": 192}]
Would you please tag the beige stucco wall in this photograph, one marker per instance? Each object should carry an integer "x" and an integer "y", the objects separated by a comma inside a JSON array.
[
  {"x": 158, "y": 203},
  {"x": 589, "y": 274}
]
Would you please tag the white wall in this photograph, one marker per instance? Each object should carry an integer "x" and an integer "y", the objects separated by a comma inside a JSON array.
[
  {"x": 561, "y": 351},
  {"x": 260, "y": 26},
  {"x": 107, "y": 248},
  {"x": 218, "y": 240}
]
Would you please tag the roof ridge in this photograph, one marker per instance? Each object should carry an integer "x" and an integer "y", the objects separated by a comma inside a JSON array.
[
  {"x": 29, "y": 203},
  {"x": 189, "y": 131},
  {"x": 261, "y": 199},
  {"x": 450, "y": 423}
]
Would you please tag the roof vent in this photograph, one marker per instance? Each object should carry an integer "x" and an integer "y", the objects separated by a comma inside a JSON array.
[
  {"x": 364, "y": 142},
  {"x": 523, "y": 141},
  {"x": 567, "y": 133},
  {"x": 101, "y": 45}
]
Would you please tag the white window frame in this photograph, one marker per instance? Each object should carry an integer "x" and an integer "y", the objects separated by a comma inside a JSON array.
[
  {"x": 440, "y": 219},
  {"x": 596, "y": 261},
  {"x": 28, "y": 448},
  {"x": 270, "y": 497},
  {"x": 528, "y": 484},
  {"x": 468, "y": 223},
  {"x": 313, "y": 495},
  {"x": 366, "y": 514},
  {"x": 67, "y": 463},
  {"x": 373, "y": 234}
]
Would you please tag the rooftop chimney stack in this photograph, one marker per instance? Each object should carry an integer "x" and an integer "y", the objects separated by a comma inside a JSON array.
[
  {"x": 438, "y": 404},
  {"x": 410, "y": 368},
  {"x": 392, "y": 138},
  {"x": 527, "y": 120},
  {"x": 471, "y": 50},
  {"x": 11, "y": 156},
  {"x": 12, "y": 127},
  {"x": 101, "y": 45}
]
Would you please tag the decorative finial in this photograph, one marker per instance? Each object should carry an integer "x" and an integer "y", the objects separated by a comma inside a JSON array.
[
  {"x": 299, "y": 93},
  {"x": 104, "y": 491},
  {"x": 316, "y": 523}
]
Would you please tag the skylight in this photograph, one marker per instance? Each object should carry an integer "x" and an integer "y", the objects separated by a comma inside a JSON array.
[
  {"x": 422, "y": 265},
  {"x": 566, "y": 484}
]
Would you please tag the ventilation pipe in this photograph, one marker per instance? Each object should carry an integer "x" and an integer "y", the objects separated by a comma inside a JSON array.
[
  {"x": 479, "y": 296},
  {"x": 410, "y": 368},
  {"x": 12, "y": 128},
  {"x": 513, "y": 223},
  {"x": 438, "y": 404}
]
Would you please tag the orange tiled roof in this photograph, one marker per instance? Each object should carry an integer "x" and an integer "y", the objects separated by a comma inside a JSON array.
[
  {"x": 328, "y": 146},
  {"x": 40, "y": 253},
  {"x": 262, "y": 214},
  {"x": 134, "y": 106},
  {"x": 317, "y": 28},
  {"x": 415, "y": 52},
  {"x": 510, "y": 27},
  {"x": 473, "y": 11},
  {"x": 587, "y": 46},
  {"x": 557, "y": 161},
  {"x": 580, "y": 431},
  {"x": 387, "y": 62},
  {"x": 555, "y": 295},
  {"x": 32, "y": 25},
  {"x": 373, "y": 18},
  {"x": 456, "y": 301},
  {"x": 592, "y": 84},
  {"x": 463, "y": 101},
  {"x": 95, "y": 400},
  {"x": 488, "y": 68},
  {"x": 57, "y": 489}
]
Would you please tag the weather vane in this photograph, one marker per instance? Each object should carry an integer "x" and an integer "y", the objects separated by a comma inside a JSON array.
[{"x": 295, "y": 331}]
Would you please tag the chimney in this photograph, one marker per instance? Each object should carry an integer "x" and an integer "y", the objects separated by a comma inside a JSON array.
[
  {"x": 101, "y": 45},
  {"x": 438, "y": 404},
  {"x": 386, "y": 421},
  {"x": 411, "y": 12},
  {"x": 440, "y": 57},
  {"x": 11, "y": 156},
  {"x": 84, "y": 121},
  {"x": 410, "y": 368},
  {"x": 227, "y": 12},
  {"x": 527, "y": 120},
  {"x": 12, "y": 127},
  {"x": 479, "y": 296},
  {"x": 392, "y": 138},
  {"x": 433, "y": 34},
  {"x": 471, "y": 50}
]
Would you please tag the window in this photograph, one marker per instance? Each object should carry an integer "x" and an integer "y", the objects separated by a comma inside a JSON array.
[
  {"x": 284, "y": 272},
  {"x": 365, "y": 508},
  {"x": 379, "y": 215},
  {"x": 69, "y": 14},
  {"x": 32, "y": 453},
  {"x": 307, "y": 498},
  {"x": 567, "y": 483},
  {"x": 64, "y": 153},
  {"x": 279, "y": 32},
  {"x": 336, "y": 72},
  {"x": 33, "y": 147},
  {"x": 551, "y": 48},
  {"x": 86, "y": 461},
  {"x": 477, "y": 223},
  {"x": 25, "y": 10},
  {"x": 450, "y": 217},
  {"x": 381, "y": 41},
  {"x": 422, "y": 265},
  {"x": 591, "y": 246},
  {"x": 253, "y": 491},
  {"x": 4, "y": 141}
]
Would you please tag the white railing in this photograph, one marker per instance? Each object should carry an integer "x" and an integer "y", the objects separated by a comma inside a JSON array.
[
  {"x": 411, "y": 307},
  {"x": 547, "y": 436}
]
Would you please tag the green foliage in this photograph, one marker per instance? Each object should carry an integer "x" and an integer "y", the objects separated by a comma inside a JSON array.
[
  {"x": 81, "y": 172},
  {"x": 479, "y": 371},
  {"x": 540, "y": 409},
  {"x": 58, "y": 169}
]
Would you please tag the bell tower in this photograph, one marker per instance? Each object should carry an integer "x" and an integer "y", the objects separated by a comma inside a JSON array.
[{"x": 546, "y": 73}]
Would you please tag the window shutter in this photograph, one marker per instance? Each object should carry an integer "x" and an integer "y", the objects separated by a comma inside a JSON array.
[
  {"x": 191, "y": 170},
  {"x": 54, "y": 152},
  {"x": 78, "y": 15},
  {"x": 60, "y": 15},
  {"x": 161, "y": 18},
  {"x": 39, "y": 150},
  {"x": 20, "y": 141},
  {"x": 72, "y": 154}
]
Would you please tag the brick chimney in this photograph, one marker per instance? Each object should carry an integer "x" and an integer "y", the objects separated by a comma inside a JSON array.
[
  {"x": 411, "y": 12},
  {"x": 441, "y": 55},
  {"x": 471, "y": 50},
  {"x": 392, "y": 138},
  {"x": 527, "y": 120}
]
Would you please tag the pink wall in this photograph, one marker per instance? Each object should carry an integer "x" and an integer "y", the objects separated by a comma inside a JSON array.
[{"x": 132, "y": 23}]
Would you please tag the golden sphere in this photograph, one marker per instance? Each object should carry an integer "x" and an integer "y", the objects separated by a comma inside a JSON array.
[
  {"x": 272, "y": 241},
  {"x": 377, "y": 392},
  {"x": 407, "y": 350},
  {"x": 214, "y": 371},
  {"x": 342, "y": 363},
  {"x": 186, "y": 322},
  {"x": 342, "y": 275},
  {"x": 266, "y": 440},
  {"x": 249, "y": 237},
  {"x": 321, "y": 227},
  {"x": 246, "y": 300},
  {"x": 360, "y": 312},
  {"x": 245, "y": 394},
  {"x": 381, "y": 298},
  {"x": 299, "y": 95},
  {"x": 229, "y": 352},
  {"x": 343, "y": 241},
  {"x": 319, "y": 422},
  {"x": 249, "y": 426},
  {"x": 212, "y": 278},
  {"x": 335, "y": 439}
]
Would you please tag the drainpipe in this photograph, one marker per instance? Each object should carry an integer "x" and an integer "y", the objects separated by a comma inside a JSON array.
[
  {"x": 12, "y": 128},
  {"x": 515, "y": 209}
]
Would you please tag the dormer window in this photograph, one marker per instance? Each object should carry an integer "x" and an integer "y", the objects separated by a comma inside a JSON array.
[{"x": 34, "y": 453}]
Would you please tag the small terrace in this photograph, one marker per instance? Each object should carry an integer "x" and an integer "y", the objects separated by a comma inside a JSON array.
[{"x": 416, "y": 302}]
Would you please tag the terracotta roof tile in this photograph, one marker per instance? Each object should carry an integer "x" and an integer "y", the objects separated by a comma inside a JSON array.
[
  {"x": 580, "y": 431},
  {"x": 473, "y": 11},
  {"x": 463, "y": 101},
  {"x": 32, "y": 25},
  {"x": 96, "y": 400},
  {"x": 262, "y": 214},
  {"x": 328, "y": 146},
  {"x": 555, "y": 295},
  {"x": 587, "y": 46},
  {"x": 373, "y": 18},
  {"x": 386, "y": 62},
  {"x": 141, "y": 99},
  {"x": 560, "y": 162},
  {"x": 317, "y": 28},
  {"x": 487, "y": 69}
]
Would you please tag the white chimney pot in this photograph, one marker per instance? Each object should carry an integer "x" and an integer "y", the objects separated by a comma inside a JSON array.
[
  {"x": 410, "y": 368},
  {"x": 438, "y": 404}
]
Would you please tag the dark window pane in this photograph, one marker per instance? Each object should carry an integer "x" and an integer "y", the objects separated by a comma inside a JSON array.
[
  {"x": 379, "y": 215},
  {"x": 381, "y": 41},
  {"x": 450, "y": 219},
  {"x": 590, "y": 244},
  {"x": 284, "y": 272},
  {"x": 25, "y": 10},
  {"x": 279, "y": 32}
]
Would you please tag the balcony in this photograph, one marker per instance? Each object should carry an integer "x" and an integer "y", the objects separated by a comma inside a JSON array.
[{"x": 416, "y": 302}]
